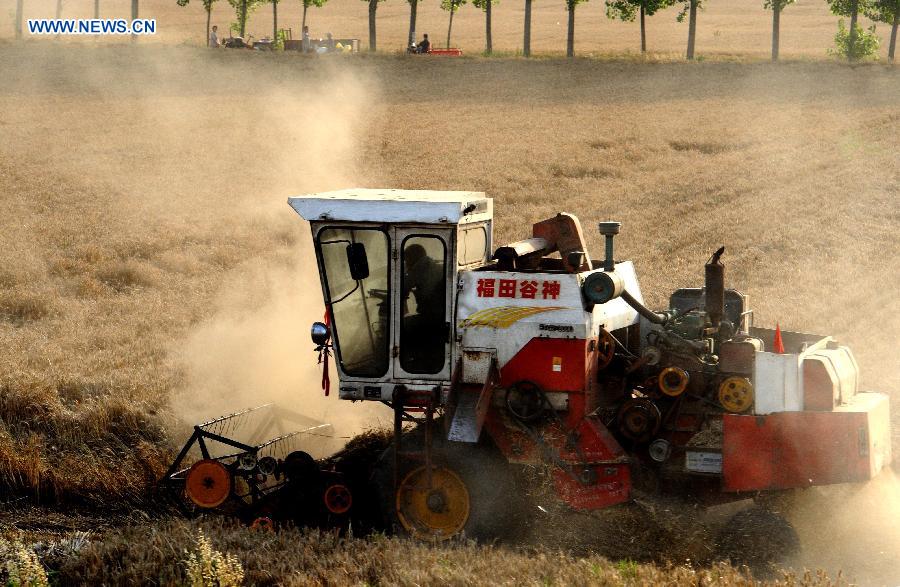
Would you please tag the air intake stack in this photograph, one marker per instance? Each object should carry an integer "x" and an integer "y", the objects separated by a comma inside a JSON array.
[{"x": 609, "y": 229}]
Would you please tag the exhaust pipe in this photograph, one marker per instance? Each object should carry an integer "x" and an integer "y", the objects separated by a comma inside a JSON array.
[{"x": 714, "y": 289}]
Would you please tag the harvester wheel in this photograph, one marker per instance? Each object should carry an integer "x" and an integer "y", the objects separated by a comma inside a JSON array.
[
  {"x": 435, "y": 508},
  {"x": 759, "y": 538},
  {"x": 208, "y": 483},
  {"x": 338, "y": 499},
  {"x": 462, "y": 472}
]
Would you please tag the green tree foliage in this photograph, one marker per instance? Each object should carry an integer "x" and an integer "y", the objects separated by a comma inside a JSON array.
[
  {"x": 242, "y": 11},
  {"x": 451, "y": 6},
  {"x": 485, "y": 6},
  {"x": 207, "y": 6},
  {"x": 570, "y": 36},
  {"x": 776, "y": 6},
  {"x": 307, "y": 4},
  {"x": 886, "y": 11},
  {"x": 861, "y": 45},
  {"x": 852, "y": 9},
  {"x": 627, "y": 10}
]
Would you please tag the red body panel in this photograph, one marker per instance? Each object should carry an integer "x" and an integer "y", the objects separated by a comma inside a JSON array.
[
  {"x": 801, "y": 449},
  {"x": 564, "y": 365},
  {"x": 555, "y": 364}
]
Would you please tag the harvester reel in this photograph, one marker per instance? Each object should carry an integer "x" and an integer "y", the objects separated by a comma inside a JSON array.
[
  {"x": 736, "y": 394},
  {"x": 526, "y": 401},
  {"x": 208, "y": 483},
  {"x": 673, "y": 381},
  {"x": 435, "y": 510},
  {"x": 639, "y": 419},
  {"x": 606, "y": 349}
]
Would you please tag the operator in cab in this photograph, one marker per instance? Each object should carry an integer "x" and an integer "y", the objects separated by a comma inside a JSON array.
[{"x": 423, "y": 278}]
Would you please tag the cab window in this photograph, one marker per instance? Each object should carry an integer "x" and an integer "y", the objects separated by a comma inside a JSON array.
[
  {"x": 423, "y": 330},
  {"x": 472, "y": 245},
  {"x": 360, "y": 306}
]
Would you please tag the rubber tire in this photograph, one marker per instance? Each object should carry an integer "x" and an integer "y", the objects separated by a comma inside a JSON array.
[
  {"x": 758, "y": 538},
  {"x": 496, "y": 506}
]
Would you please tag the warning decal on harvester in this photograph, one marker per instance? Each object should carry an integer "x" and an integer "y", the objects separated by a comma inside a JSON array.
[
  {"x": 703, "y": 462},
  {"x": 557, "y": 364},
  {"x": 504, "y": 316}
]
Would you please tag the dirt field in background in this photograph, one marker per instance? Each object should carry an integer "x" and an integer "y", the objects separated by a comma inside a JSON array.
[
  {"x": 725, "y": 27},
  {"x": 151, "y": 273}
]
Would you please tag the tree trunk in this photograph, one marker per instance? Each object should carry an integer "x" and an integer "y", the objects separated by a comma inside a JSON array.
[
  {"x": 450, "y": 28},
  {"x": 893, "y": 46},
  {"x": 854, "y": 15},
  {"x": 58, "y": 9},
  {"x": 274, "y": 21},
  {"x": 134, "y": 16},
  {"x": 776, "y": 28},
  {"x": 303, "y": 22},
  {"x": 97, "y": 11},
  {"x": 243, "y": 18},
  {"x": 413, "y": 5},
  {"x": 19, "y": 10},
  {"x": 488, "y": 41},
  {"x": 208, "y": 18},
  {"x": 373, "y": 7},
  {"x": 692, "y": 29},
  {"x": 526, "y": 44},
  {"x": 643, "y": 31},
  {"x": 570, "y": 37}
]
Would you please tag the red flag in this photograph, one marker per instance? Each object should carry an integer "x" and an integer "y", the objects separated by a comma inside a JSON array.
[{"x": 779, "y": 344}]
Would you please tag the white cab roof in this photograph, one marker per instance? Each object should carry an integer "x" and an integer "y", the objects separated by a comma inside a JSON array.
[{"x": 384, "y": 205}]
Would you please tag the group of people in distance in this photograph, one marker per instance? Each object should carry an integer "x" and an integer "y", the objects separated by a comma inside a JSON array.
[{"x": 326, "y": 45}]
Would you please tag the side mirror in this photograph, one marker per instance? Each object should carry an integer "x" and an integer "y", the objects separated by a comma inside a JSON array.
[
  {"x": 320, "y": 333},
  {"x": 357, "y": 261}
]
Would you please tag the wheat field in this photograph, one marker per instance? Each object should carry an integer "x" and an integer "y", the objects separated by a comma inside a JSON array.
[{"x": 152, "y": 275}]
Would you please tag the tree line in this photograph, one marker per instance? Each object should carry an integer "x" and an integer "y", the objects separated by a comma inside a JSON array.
[{"x": 853, "y": 42}]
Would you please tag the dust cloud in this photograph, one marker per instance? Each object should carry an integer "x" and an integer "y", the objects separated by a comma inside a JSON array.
[
  {"x": 178, "y": 164},
  {"x": 852, "y": 529}
]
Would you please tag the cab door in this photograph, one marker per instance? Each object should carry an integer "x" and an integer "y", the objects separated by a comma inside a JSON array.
[{"x": 424, "y": 278}]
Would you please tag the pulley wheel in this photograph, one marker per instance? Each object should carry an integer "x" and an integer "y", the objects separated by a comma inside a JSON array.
[
  {"x": 673, "y": 381},
  {"x": 639, "y": 419},
  {"x": 437, "y": 510},
  {"x": 525, "y": 401},
  {"x": 338, "y": 499},
  {"x": 736, "y": 394},
  {"x": 606, "y": 349},
  {"x": 208, "y": 483}
]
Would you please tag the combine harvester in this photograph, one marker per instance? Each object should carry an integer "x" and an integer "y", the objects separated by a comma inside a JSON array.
[{"x": 510, "y": 357}]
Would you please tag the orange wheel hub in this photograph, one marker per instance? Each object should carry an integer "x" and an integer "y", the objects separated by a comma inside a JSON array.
[
  {"x": 338, "y": 499},
  {"x": 439, "y": 509},
  {"x": 208, "y": 483}
]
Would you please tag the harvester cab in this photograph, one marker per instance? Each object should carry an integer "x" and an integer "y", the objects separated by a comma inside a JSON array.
[{"x": 390, "y": 261}]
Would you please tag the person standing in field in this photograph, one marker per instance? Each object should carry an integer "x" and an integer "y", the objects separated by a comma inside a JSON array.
[
  {"x": 306, "y": 39},
  {"x": 214, "y": 37}
]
